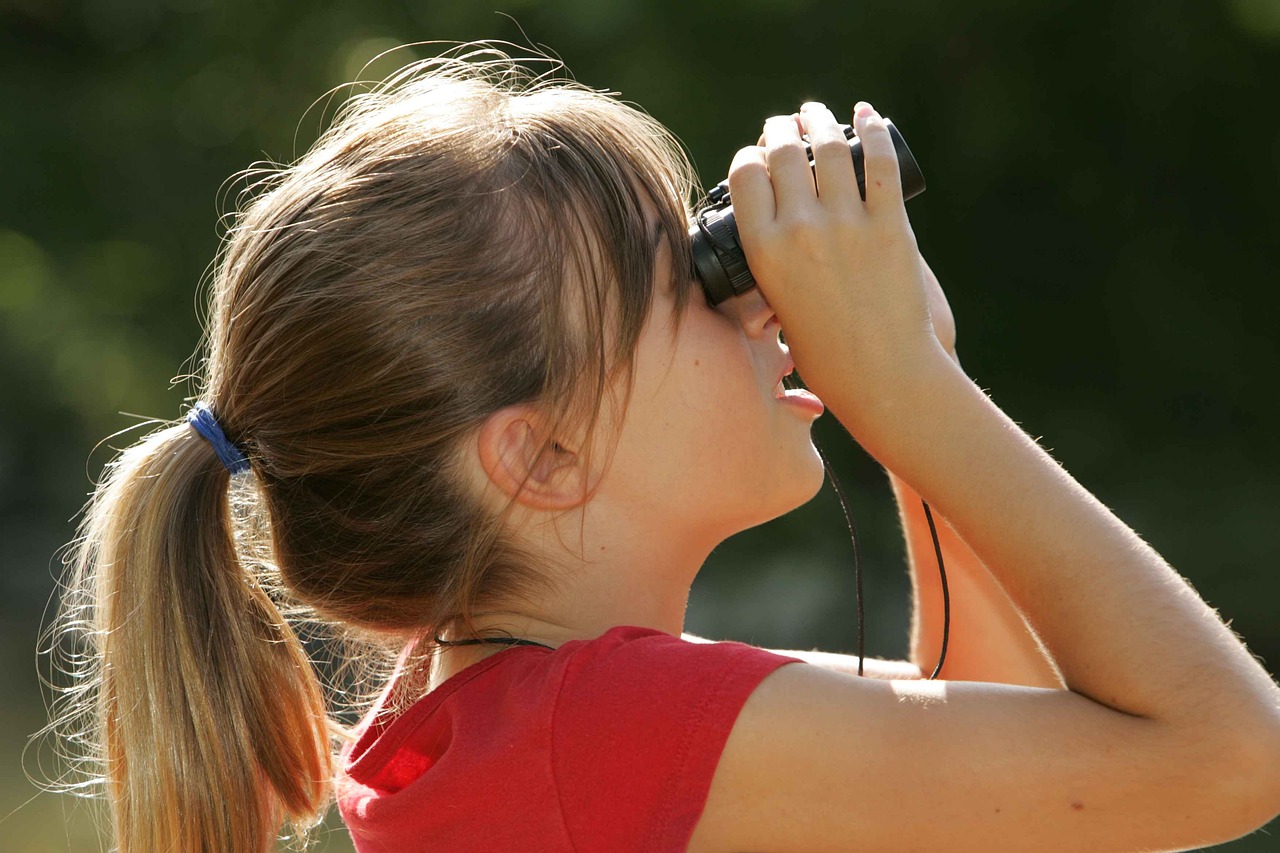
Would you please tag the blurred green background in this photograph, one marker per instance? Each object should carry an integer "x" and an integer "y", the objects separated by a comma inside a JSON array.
[{"x": 1101, "y": 210}]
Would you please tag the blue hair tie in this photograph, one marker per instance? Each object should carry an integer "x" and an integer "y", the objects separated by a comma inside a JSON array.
[{"x": 201, "y": 417}]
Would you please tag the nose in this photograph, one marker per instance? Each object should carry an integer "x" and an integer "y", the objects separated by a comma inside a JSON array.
[{"x": 752, "y": 310}]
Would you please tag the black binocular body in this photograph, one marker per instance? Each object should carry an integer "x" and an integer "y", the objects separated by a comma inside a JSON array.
[{"x": 718, "y": 259}]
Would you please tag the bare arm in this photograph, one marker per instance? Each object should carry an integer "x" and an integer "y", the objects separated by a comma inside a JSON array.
[
  {"x": 988, "y": 639},
  {"x": 1124, "y": 628},
  {"x": 1168, "y": 735},
  {"x": 1142, "y": 752}
]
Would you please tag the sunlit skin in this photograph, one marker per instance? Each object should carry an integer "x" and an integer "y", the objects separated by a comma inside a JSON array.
[{"x": 705, "y": 451}]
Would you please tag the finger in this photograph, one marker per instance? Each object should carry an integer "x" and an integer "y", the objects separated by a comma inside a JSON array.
[
  {"x": 833, "y": 164},
  {"x": 880, "y": 160},
  {"x": 750, "y": 189},
  {"x": 784, "y": 153},
  {"x": 760, "y": 141}
]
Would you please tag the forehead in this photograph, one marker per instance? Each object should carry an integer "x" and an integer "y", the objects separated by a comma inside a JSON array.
[{"x": 652, "y": 271}]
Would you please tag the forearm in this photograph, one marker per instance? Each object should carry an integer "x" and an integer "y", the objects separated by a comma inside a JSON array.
[
  {"x": 988, "y": 639},
  {"x": 1123, "y": 628}
]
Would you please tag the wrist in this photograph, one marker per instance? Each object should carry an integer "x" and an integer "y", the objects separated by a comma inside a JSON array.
[{"x": 885, "y": 396}]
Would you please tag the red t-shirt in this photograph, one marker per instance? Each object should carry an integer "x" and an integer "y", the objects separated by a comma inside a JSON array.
[{"x": 606, "y": 744}]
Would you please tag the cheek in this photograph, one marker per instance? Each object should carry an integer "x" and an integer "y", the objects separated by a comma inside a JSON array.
[
  {"x": 719, "y": 357},
  {"x": 702, "y": 406},
  {"x": 734, "y": 424}
]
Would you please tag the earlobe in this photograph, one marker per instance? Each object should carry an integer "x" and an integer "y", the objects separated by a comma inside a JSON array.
[{"x": 539, "y": 475}]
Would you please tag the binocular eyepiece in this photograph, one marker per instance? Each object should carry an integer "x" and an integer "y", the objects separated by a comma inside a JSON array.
[{"x": 718, "y": 259}]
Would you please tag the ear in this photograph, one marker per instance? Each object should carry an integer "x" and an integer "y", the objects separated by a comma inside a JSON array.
[{"x": 510, "y": 454}]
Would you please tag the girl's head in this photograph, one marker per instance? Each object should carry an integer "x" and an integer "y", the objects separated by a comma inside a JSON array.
[
  {"x": 465, "y": 242},
  {"x": 463, "y": 239}
]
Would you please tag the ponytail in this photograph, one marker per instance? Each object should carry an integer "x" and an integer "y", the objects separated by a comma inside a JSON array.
[
  {"x": 464, "y": 237},
  {"x": 210, "y": 723}
]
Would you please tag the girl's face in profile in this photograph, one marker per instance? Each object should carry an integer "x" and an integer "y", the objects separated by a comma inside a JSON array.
[{"x": 705, "y": 444}]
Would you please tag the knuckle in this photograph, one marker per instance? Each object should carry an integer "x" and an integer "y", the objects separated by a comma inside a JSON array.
[
  {"x": 872, "y": 124},
  {"x": 797, "y": 222},
  {"x": 845, "y": 214},
  {"x": 790, "y": 149},
  {"x": 803, "y": 231},
  {"x": 875, "y": 152},
  {"x": 746, "y": 166},
  {"x": 831, "y": 146},
  {"x": 877, "y": 146},
  {"x": 748, "y": 156}
]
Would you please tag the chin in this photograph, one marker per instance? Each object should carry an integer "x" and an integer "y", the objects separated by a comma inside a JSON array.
[
  {"x": 806, "y": 477},
  {"x": 814, "y": 476},
  {"x": 805, "y": 481}
]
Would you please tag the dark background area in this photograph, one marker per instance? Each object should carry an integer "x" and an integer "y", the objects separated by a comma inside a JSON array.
[{"x": 1101, "y": 211}]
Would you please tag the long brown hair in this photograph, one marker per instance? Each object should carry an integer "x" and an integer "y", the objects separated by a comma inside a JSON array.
[{"x": 465, "y": 236}]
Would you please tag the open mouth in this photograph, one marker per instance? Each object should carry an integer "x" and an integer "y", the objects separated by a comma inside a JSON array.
[{"x": 788, "y": 368}]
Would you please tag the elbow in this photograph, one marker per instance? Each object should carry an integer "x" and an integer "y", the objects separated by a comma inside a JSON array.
[
  {"x": 1218, "y": 776},
  {"x": 1258, "y": 754},
  {"x": 1244, "y": 783},
  {"x": 1263, "y": 756}
]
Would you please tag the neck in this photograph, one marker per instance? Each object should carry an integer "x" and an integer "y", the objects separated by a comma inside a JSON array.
[
  {"x": 616, "y": 560},
  {"x": 642, "y": 582}
]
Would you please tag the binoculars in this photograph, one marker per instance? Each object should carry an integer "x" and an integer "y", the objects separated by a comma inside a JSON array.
[{"x": 718, "y": 260}]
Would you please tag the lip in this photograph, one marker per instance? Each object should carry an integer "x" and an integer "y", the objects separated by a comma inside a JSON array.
[
  {"x": 798, "y": 397},
  {"x": 788, "y": 367}
]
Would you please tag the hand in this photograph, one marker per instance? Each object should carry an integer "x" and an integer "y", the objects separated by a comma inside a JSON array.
[
  {"x": 944, "y": 324},
  {"x": 844, "y": 276}
]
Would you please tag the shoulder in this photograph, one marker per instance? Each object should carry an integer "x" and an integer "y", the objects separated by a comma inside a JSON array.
[
  {"x": 631, "y": 672},
  {"x": 631, "y": 668},
  {"x": 638, "y": 647},
  {"x": 639, "y": 724}
]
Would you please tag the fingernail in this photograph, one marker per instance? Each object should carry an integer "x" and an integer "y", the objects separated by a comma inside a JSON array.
[
  {"x": 812, "y": 105},
  {"x": 863, "y": 109}
]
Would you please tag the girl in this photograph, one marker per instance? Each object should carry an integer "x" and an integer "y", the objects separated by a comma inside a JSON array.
[{"x": 463, "y": 398}]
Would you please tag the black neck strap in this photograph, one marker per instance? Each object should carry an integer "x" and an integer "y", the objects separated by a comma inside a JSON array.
[{"x": 511, "y": 641}]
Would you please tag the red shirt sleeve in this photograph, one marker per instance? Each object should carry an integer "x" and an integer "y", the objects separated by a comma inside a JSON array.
[{"x": 639, "y": 725}]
